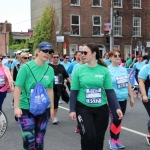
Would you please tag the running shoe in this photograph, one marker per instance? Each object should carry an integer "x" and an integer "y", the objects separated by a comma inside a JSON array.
[
  {"x": 12, "y": 105},
  {"x": 55, "y": 120},
  {"x": 119, "y": 144},
  {"x": 60, "y": 102},
  {"x": 148, "y": 139},
  {"x": 77, "y": 130},
  {"x": 112, "y": 144}
]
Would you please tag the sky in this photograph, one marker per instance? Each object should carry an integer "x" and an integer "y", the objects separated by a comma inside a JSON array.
[{"x": 16, "y": 12}]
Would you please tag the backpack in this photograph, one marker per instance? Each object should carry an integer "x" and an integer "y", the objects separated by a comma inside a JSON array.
[{"x": 39, "y": 100}]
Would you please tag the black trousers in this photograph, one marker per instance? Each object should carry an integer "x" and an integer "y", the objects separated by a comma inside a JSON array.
[{"x": 92, "y": 122}]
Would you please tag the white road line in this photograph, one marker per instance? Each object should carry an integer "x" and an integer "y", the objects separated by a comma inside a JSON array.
[{"x": 124, "y": 128}]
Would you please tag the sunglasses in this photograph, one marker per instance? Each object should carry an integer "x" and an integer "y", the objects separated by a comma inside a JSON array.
[
  {"x": 1, "y": 58},
  {"x": 25, "y": 57},
  {"x": 115, "y": 56},
  {"x": 84, "y": 52},
  {"x": 67, "y": 58},
  {"x": 55, "y": 57},
  {"x": 48, "y": 51}
]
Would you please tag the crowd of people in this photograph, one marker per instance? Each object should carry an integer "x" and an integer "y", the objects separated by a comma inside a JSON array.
[{"x": 98, "y": 89}]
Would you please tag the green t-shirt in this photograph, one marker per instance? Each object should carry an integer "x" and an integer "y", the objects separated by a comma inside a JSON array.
[
  {"x": 26, "y": 81},
  {"x": 91, "y": 83}
]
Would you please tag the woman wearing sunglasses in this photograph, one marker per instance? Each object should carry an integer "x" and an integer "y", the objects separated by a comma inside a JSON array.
[
  {"x": 6, "y": 82},
  {"x": 122, "y": 89},
  {"x": 91, "y": 87},
  {"x": 32, "y": 127},
  {"x": 24, "y": 57}
]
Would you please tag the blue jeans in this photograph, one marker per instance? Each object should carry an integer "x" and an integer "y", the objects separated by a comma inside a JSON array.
[{"x": 2, "y": 97}]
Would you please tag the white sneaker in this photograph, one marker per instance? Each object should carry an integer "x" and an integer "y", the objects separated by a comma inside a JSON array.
[
  {"x": 60, "y": 102},
  {"x": 55, "y": 120}
]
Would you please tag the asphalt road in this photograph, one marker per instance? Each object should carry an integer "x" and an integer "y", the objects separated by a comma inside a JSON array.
[{"x": 63, "y": 137}]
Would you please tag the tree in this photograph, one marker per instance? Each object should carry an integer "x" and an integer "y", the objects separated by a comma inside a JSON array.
[{"x": 43, "y": 28}]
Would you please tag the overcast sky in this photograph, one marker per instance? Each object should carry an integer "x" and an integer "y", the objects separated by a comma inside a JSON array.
[{"x": 16, "y": 12}]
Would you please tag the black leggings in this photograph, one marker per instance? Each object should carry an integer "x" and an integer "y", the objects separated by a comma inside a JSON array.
[
  {"x": 92, "y": 122},
  {"x": 147, "y": 107},
  {"x": 56, "y": 99},
  {"x": 115, "y": 125}
]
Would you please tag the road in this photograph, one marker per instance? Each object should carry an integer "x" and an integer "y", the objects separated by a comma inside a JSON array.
[{"x": 63, "y": 137}]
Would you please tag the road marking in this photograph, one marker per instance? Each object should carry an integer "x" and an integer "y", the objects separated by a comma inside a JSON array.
[{"x": 124, "y": 128}]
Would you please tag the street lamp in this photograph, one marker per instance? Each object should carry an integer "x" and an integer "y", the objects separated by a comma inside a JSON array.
[{"x": 112, "y": 25}]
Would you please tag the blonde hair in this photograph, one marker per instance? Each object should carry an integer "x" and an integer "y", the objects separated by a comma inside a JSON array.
[{"x": 23, "y": 54}]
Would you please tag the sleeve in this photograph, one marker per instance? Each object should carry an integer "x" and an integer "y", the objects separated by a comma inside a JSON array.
[
  {"x": 112, "y": 99},
  {"x": 75, "y": 84},
  {"x": 107, "y": 81},
  {"x": 65, "y": 74},
  {"x": 73, "y": 100},
  {"x": 134, "y": 67},
  {"x": 69, "y": 71},
  {"x": 143, "y": 72},
  {"x": 21, "y": 76}
]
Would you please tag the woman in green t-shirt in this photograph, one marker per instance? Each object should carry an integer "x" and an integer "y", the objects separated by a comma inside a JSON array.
[
  {"x": 33, "y": 127},
  {"x": 91, "y": 88}
]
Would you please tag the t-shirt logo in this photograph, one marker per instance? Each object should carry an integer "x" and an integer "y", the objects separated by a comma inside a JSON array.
[{"x": 99, "y": 76}]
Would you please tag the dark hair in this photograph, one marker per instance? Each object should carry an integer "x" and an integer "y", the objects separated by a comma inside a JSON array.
[
  {"x": 145, "y": 57},
  {"x": 94, "y": 48},
  {"x": 64, "y": 56}
]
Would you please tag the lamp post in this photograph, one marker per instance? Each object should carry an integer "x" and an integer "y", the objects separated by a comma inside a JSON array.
[{"x": 112, "y": 25}]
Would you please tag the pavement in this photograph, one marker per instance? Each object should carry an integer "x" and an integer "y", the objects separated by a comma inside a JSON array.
[{"x": 63, "y": 137}]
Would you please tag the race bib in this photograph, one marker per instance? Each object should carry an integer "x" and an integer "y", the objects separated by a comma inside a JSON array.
[
  {"x": 93, "y": 96},
  {"x": 56, "y": 80},
  {"x": 122, "y": 81},
  {"x": 2, "y": 81}
]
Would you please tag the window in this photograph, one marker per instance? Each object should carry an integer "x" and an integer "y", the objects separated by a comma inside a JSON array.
[
  {"x": 72, "y": 49},
  {"x": 96, "y": 2},
  {"x": 137, "y": 3},
  {"x": 127, "y": 50},
  {"x": 136, "y": 26},
  {"x": 75, "y": 25},
  {"x": 117, "y": 47},
  {"x": 96, "y": 25},
  {"x": 118, "y": 26},
  {"x": 75, "y": 2},
  {"x": 117, "y": 3}
]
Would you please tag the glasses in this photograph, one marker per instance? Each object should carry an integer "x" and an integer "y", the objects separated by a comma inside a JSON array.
[
  {"x": 25, "y": 57},
  {"x": 115, "y": 56},
  {"x": 1, "y": 58},
  {"x": 67, "y": 58},
  {"x": 84, "y": 52},
  {"x": 55, "y": 57},
  {"x": 47, "y": 51}
]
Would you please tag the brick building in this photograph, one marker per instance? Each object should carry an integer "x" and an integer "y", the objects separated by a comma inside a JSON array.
[
  {"x": 82, "y": 22},
  {"x": 5, "y": 28}
]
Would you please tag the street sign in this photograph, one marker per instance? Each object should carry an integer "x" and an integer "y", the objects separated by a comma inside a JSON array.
[{"x": 59, "y": 38}]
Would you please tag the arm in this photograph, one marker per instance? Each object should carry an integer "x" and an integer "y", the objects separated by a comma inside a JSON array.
[
  {"x": 51, "y": 96},
  {"x": 17, "y": 93},
  {"x": 68, "y": 79},
  {"x": 130, "y": 95},
  {"x": 73, "y": 100},
  {"x": 142, "y": 88},
  {"x": 113, "y": 102},
  {"x": 131, "y": 73}
]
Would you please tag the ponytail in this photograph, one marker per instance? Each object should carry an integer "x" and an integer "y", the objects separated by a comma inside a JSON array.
[{"x": 101, "y": 62}]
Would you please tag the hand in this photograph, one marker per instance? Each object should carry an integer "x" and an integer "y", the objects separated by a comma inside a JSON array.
[
  {"x": 51, "y": 114},
  {"x": 17, "y": 112},
  {"x": 131, "y": 102},
  {"x": 12, "y": 88},
  {"x": 145, "y": 98},
  {"x": 72, "y": 115},
  {"x": 120, "y": 115}
]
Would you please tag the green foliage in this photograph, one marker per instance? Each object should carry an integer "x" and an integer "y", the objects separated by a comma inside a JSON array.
[
  {"x": 10, "y": 38},
  {"x": 43, "y": 28}
]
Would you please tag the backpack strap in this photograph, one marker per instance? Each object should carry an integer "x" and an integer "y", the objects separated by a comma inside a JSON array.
[{"x": 33, "y": 74}]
